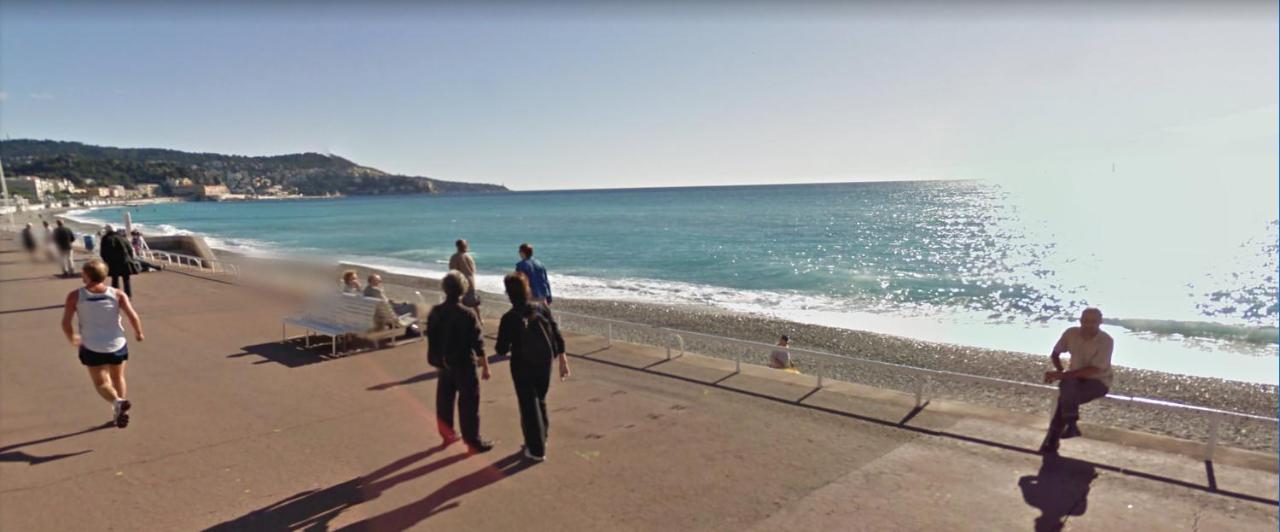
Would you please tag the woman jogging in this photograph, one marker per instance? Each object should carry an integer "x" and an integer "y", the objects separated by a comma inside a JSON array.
[{"x": 100, "y": 337}]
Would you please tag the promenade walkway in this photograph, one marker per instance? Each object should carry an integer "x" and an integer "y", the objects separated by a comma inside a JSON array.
[{"x": 233, "y": 431}]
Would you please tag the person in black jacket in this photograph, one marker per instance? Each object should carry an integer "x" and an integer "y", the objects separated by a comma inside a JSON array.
[
  {"x": 29, "y": 241},
  {"x": 118, "y": 254},
  {"x": 530, "y": 333},
  {"x": 63, "y": 238},
  {"x": 454, "y": 346}
]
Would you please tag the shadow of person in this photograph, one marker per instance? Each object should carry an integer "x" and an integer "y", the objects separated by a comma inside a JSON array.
[
  {"x": 1059, "y": 490},
  {"x": 421, "y": 377},
  {"x": 15, "y": 457},
  {"x": 315, "y": 509},
  {"x": 442, "y": 499}
]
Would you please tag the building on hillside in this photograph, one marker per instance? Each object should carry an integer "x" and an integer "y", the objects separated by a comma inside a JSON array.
[{"x": 213, "y": 191}]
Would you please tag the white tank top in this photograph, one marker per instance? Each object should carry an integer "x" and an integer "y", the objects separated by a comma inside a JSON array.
[{"x": 100, "y": 327}]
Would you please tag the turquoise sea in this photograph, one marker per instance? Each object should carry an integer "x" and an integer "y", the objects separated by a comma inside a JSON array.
[{"x": 965, "y": 262}]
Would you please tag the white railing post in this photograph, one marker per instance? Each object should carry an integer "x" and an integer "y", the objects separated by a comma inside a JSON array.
[
  {"x": 737, "y": 362},
  {"x": 920, "y": 391},
  {"x": 1215, "y": 421},
  {"x": 609, "y": 339},
  {"x": 819, "y": 380},
  {"x": 681, "y": 340}
]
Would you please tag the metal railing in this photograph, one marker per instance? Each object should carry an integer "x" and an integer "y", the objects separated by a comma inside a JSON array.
[
  {"x": 678, "y": 341},
  {"x": 923, "y": 376},
  {"x": 189, "y": 261}
]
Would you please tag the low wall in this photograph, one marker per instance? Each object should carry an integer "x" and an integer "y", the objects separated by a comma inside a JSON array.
[{"x": 184, "y": 244}]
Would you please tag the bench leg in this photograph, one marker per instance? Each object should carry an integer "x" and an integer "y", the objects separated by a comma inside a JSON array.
[
  {"x": 334, "y": 345},
  {"x": 306, "y": 342}
]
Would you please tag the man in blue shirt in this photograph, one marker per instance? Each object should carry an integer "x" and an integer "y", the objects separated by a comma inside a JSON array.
[{"x": 535, "y": 273}]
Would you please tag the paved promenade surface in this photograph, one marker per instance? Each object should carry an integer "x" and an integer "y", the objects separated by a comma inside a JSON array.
[{"x": 233, "y": 430}]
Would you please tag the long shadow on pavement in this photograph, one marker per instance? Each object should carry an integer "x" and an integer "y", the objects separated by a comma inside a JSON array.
[
  {"x": 291, "y": 353},
  {"x": 10, "y": 453},
  {"x": 1060, "y": 490},
  {"x": 421, "y": 377},
  {"x": 315, "y": 509},
  {"x": 443, "y": 499}
]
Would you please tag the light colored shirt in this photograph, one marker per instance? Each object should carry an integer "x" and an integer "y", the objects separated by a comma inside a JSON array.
[
  {"x": 1088, "y": 352},
  {"x": 100, "y": 327},
  {"x": 780, "y": 358},
  {"x": 464, "y": 263}
]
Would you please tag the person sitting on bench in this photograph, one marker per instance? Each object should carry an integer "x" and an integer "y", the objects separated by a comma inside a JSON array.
[{"x": 390, "y": 319}]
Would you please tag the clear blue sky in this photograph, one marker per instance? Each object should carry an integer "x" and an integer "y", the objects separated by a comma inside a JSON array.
[{"x": 611, "y": 95}]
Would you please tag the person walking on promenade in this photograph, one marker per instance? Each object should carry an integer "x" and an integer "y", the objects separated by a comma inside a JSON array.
[
  {"x": 29, "y": 241},
  {"x": 138, "y": 243},
  {"x": 539, "y": 286},
  {"x": 63, "y": 238},
  {"x": 118, "y": 255},
  {"x": 100, "y": 335},
  {"x": 463, "y": 262},
  {"x": 454, "y": 346},
  {"x": 1088, "y": 378},
  {"x": 531, "y": 335},
  {"x": 89, "y": 241},
  {"x": 46, "y": 241}
]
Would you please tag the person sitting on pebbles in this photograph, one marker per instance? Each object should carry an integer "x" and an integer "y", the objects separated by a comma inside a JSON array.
[{"x": 1088, "y": 378}]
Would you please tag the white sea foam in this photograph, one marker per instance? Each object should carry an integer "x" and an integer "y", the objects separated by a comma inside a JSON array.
[{"x": 1165, "y": 345}]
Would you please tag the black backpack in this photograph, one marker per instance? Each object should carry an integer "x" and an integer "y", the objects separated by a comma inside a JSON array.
[
  {"x": 437, "y": 332},
  {"x": 537, "y": 345}
]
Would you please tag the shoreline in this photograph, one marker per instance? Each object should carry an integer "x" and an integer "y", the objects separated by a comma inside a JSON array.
[
  {"x": 1243, "y": 397},
  {"x": 1250, "y": 398}
]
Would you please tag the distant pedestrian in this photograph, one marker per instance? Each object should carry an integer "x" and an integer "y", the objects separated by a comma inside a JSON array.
[
  {"x": 29, "y": 241},
  {"x": 63, "y": 239},
  {"x": 100, "y": 337},
  {"x": 118, "y": 255},
  {"x": 138, "y": 243},
  {"x": 539, "y": 286},
  {"x": 46, "y": 242},
  {"x": 463, "y": 262},
  {"x": 454, "y": 346},
  {"x": 531, "y": 335},
  {"x": 1088, "y": 378}
]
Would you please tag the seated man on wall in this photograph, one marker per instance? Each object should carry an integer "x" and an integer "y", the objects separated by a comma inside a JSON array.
[{"x": 1088, "y": 378}]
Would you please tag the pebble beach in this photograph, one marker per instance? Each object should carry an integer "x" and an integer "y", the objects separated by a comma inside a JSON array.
[{"x": 1249, "y": 398}]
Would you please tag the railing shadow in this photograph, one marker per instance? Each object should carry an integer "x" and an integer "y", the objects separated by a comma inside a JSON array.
[
  {"x": 900, "y": 425},
  {"x": 30, "y": 309}
]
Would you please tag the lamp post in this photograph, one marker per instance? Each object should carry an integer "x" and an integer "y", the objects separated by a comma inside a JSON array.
[{"x": 4, "y": 190}]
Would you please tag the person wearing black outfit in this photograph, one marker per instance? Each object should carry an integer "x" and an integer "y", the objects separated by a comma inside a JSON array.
[
  {"x": 118, "y": 254},
  {"x": 29, "y": 241},
  {"x": 454, "y": 345},
  {"x": 63, "y": 238},
  {"x": 532, "y": 336}
]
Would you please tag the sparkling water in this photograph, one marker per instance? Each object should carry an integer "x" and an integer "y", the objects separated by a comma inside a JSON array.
[{"x": 1186, "y": 287}]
